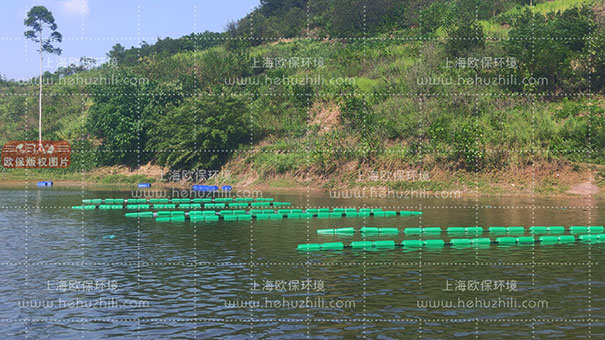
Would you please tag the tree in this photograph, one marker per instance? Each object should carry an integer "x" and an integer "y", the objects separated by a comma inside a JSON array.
[
  {"x": 37, "y": 18},
  {"x": 198, "y": 133},
  {"x": 464, "y": 36},
  {"x": 87, "y": 63},
  {"x": 119, "y": 117},
  {"x": 117, "y": 53},
  {"x": 558, "y": 55}
]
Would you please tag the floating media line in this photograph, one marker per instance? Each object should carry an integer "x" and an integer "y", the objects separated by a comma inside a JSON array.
[
  {"x": 236, "y": 215},
  {"x": 175, "y": 200},
  {"x": 267, "y": 214},
  {"x": 292, "y": 213},
  {"x": 467, "y": 230},
  {"x": 461, "y": 242},
  {"x": 139, "y": 206}
]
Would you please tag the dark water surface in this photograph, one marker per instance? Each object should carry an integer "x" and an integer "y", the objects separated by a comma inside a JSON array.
[{"x": 65, "y": 277}]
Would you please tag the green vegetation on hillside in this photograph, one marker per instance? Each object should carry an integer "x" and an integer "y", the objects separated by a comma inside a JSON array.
[{"x": 332, "y": 98}]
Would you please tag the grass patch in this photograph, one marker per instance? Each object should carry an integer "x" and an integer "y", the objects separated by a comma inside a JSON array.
[
  {"x": 282, "y": 183},
  {"x": 269, "y": 163},
  {"x": 125, "y": 179},
  {"x": 367, "y": 85}
]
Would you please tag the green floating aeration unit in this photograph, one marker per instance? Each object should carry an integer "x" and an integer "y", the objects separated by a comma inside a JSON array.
[
  {"x": 381, "y": 231},
  {"x": 456, "y": 242},
  {"x": 346, "y": 231},
  {"x": 257, "y": 212},
  {"x": 429, "y": 230},
  {"x": 176, "y": 200},
  {"x": 266, "y": 214},
  {"x": 155, "y": 205},
  {"x": 507, "y": 230},
  {"x": 467, "y": 230},
  {"x": 352, "y": 212}
]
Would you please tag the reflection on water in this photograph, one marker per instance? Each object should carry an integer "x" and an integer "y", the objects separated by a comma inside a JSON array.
[{"x": 63, "y": 278}]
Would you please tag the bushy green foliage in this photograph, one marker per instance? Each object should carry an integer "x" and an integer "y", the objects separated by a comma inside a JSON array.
[
  {"x": 463, "y": 37},
  {"x": 165, "y": 47},
  {"x": 462, "y": 140},
  {"x": 581, "y": 136},
  {"x": 119, "y": 117},
  {"x": 84, "y": 156},
  {"x": 202, "y": 132},
  {"x": 330, "y": 150},
  {"x": 13, "y": 112},
  {"x": 592, "y": 61},
  {"x": 560, "y": 45},
  {"x": 400, "y": 118},
  {"x": 445, "y": 14},
  {"x": 335, "y": 18},
  {"x": 438, "y": 14}
]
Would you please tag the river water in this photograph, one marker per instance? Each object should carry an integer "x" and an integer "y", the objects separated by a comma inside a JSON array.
[{"x": 73, "y": 274}]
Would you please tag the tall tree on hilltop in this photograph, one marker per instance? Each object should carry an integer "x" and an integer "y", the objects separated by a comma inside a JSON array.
[{"x": 37, "y": 19}]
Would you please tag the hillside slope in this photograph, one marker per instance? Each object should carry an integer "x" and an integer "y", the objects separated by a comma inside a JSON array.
[{"x": 504, "y": 95}]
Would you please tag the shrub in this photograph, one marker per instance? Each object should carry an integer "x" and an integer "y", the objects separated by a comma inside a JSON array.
[
  {"x": 202, "y": 132},
  {"x": 118, "y": 116}
]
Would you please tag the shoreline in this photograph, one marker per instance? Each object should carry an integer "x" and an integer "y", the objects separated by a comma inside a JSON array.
[
  {"x": 541, "y": 180},
  {"x": 376, "y": 191}
]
